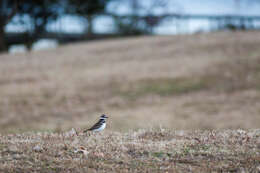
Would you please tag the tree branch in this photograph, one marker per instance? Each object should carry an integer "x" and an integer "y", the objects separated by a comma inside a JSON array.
[{"x": 9, "y": 17}]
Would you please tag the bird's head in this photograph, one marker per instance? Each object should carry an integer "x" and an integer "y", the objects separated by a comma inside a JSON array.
[{"x": 103, "y": 116}]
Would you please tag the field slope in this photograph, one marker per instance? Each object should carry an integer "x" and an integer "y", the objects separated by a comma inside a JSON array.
[
  {"x": 203, "y": 81},
  {"x": 183, "y": 91}
]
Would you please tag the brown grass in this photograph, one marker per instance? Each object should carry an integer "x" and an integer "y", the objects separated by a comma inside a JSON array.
[
  {"x": 157, "y": 150},
  {"x": 203, "y": 81}
]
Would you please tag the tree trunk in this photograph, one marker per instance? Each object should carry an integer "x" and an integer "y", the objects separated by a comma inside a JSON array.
[
  {"x": 4, "y": 19},
  {"x": 90, "y": 25},
  {"x": 3, "y": 46}
]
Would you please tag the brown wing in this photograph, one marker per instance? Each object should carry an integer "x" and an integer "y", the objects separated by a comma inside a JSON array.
[{"x": 96, "y": 126}]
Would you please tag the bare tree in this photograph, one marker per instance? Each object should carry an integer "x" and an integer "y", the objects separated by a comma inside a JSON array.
[
  {"x": 144, "y": 17},
  {"x": 155, "y": 8},
  {"x": 7, "y": 11},
  {"x": 87, "y": 8}
]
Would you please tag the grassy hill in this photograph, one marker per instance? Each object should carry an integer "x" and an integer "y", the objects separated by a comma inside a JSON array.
[
  {"x": 170, "y": 86},
  {"x": 203, "y": 81}
]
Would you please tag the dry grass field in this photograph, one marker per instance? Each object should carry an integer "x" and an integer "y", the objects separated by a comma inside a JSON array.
[
  {"x": 204, "y": 81},
  {"x": 156, "y": 150},
  {"x": 184, "y": 91}
]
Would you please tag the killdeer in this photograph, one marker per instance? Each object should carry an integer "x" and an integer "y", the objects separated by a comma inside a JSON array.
[{"x": 99, "y": 126}]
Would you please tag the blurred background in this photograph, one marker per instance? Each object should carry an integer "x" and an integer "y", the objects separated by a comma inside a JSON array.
[
  {"x": 178, "y": 64},
  {"x": 62, "y": 21}
]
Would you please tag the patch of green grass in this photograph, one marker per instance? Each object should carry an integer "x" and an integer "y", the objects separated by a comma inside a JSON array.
[
  {"x": 224, "y": 77},
  {"x": 163, "y": 87},
  {"x": 161, "y": 154},
  {"x": 158, "y": 154},
  {"x": 2, "y": 146},
  {"x": 186, "y": 150},
  {"x": 172, "y": 86}
]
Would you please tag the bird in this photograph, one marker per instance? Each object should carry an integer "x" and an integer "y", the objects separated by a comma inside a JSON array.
[{"x": 99, "y": 126}]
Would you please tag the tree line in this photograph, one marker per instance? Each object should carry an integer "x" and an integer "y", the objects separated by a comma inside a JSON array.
[{"x": 39, "y": 13}]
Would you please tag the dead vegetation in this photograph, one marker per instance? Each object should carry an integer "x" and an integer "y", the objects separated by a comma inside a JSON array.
[
  {"x": 154, "y": 150},
  {"x": 203, "y": 81}
]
